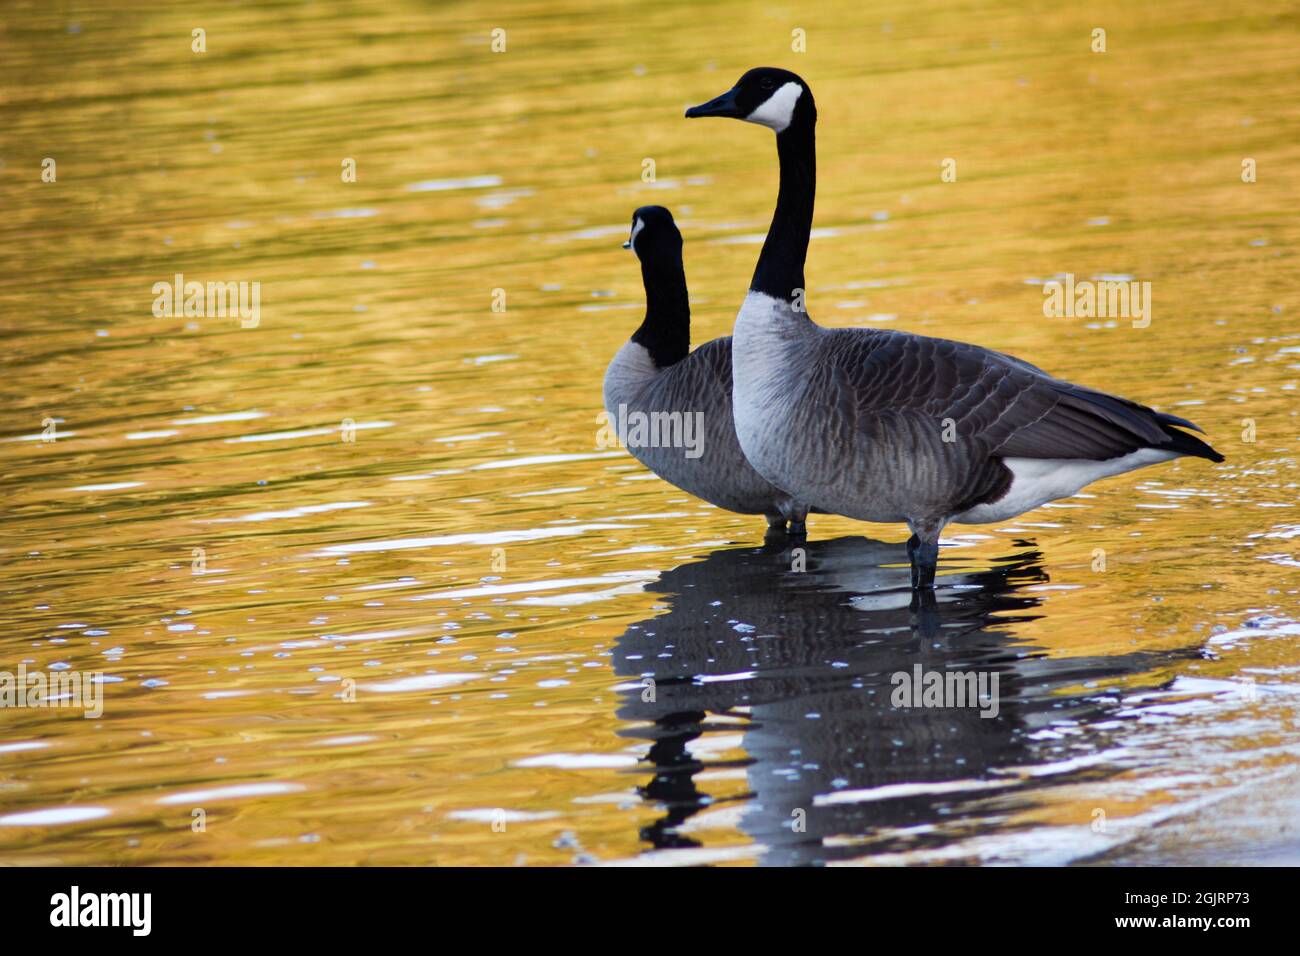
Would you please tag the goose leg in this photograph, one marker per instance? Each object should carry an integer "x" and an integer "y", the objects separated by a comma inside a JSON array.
[
  {"x": 923, "y": 551},
  {"x": 797, "y": 518}
]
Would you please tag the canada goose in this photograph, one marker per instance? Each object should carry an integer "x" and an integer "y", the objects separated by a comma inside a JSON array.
[
  {"x": 672, "y": 407},
  {"x": 888, "y": 426}
]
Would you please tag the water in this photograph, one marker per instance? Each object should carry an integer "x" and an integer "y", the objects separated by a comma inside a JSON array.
[{"x": 490, "y": 586}]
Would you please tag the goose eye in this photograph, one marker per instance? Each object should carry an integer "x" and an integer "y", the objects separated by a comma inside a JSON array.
[{"x": 766, "y": 82}]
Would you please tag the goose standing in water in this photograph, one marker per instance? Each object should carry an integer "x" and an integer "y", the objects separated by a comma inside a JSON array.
[
  {"x": 889, "y": 426},
  {"x": 672, "y": 407}
]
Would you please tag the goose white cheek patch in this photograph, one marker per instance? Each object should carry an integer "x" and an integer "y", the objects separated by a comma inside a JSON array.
[
  {"x": 636, "y": 231},
  {"x": 778, "y": 109}
]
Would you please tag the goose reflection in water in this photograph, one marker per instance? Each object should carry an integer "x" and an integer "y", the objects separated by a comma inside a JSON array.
[{"x": 804, "y": 665}]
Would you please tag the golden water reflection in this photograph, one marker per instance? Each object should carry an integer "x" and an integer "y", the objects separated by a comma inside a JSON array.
[{"x": 490, "y": 585}]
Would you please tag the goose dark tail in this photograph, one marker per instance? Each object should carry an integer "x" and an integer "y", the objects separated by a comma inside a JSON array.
[{"x": 1181, "y": 442}]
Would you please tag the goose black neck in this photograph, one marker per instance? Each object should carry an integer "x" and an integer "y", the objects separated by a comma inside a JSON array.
[
  {"x": 780, "y": 265},
  {"x": 666, "y": 331}
]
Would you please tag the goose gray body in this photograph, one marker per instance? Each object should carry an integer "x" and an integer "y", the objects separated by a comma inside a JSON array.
[
  {"x": 692, "y": 391},
  {"x": 888, "y": 426},
  {"x": 699, "y": 383}
]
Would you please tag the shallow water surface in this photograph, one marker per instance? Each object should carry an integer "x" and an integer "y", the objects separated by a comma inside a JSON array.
[{"x": 360, "y": 582}]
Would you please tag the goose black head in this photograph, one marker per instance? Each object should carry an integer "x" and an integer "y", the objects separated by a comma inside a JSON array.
[
  {"x": 767, "y": 96},
  {"x": 654, "y": 234}
]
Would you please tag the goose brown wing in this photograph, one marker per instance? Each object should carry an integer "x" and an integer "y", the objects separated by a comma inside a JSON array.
[{"x": 1002, "y": 406}]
